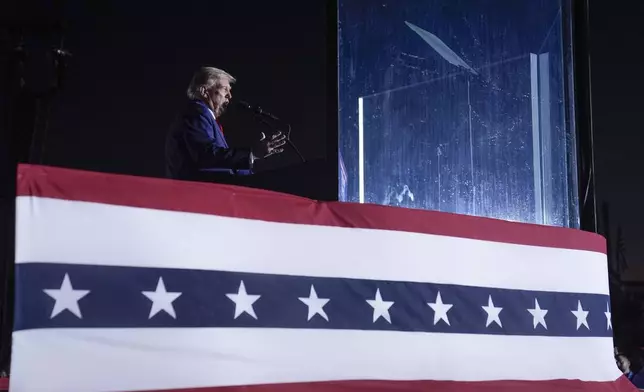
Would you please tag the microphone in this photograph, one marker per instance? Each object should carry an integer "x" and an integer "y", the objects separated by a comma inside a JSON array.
[
  {"x": 256, "y": 110},
  {"x": 260, "y": 112}
]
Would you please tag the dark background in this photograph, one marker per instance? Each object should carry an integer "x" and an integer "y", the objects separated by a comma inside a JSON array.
[
  {"x": 132, "y": 61},
  {"x": 617, "y": 36}
]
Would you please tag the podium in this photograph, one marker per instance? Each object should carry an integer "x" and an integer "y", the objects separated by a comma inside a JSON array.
[{"x": 317, "y": 179}]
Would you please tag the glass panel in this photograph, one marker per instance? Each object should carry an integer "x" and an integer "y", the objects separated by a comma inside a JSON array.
[{"x": 458, "y": 106}]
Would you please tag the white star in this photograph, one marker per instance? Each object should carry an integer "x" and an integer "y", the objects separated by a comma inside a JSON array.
[
  {"x": 315, "y": 304},
  {"x": 66, "y": 298},
  {"x": 380, "y": 307},
  {"x": 582, "y": 316},
  {"x": 609, "y": 322},
  {"x": 440, "y": 309},
  {"x": 492, "y": 313},
  {"x": 538, "y": 315},
  {"x": 243, "y": 301},
  {"x": 161, "y": 300}
]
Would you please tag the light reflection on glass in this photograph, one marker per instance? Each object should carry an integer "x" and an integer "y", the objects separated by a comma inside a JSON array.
[{"x": 458, "y": 106}]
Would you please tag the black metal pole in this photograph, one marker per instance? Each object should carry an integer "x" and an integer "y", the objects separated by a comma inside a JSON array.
[
  {"x": 9, "y": 151},
  {"x": 332, "y": 99},
  {"x": 24, "y": 111},
  {"x": 583, "y": 115}
]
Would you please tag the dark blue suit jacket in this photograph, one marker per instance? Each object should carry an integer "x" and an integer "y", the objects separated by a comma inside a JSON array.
[{"x": 196, "y": 147}]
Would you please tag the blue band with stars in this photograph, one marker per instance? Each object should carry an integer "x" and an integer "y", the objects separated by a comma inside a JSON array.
[{"x": 88, "y": 296}]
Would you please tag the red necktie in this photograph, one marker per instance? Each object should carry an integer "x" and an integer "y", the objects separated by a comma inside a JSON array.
[{"x": 220, "y": 127}]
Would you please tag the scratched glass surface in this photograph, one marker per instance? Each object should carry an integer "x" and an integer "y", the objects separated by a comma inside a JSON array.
[{"x": 460, "y": 106}]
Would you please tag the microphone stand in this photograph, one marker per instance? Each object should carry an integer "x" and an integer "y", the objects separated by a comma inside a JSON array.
[{"x": 262, "y": 119}]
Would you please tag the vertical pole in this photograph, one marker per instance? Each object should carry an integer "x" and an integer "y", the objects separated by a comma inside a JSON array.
[
  {"x": 361, "y": 149},
  {"x": 545, "y": 125},
  {"x": 583, "y": 114},
  {"x": 469, "y": 104},
  {"x": 536, "y": 139}
]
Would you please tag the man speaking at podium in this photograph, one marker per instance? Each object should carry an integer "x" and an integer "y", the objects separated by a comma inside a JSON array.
[{"x": 196, "y": 147}]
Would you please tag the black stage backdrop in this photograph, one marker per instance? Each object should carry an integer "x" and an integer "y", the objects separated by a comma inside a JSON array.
[{"x": 132, "y": 61}]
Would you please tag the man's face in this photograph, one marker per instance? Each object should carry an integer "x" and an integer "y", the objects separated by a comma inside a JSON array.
[
  {"x": 623, "y": 363},
  {"x": 220, "y": 95}
]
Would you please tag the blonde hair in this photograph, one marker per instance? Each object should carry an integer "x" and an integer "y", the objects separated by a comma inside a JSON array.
[{"x": 205, "y": 78}]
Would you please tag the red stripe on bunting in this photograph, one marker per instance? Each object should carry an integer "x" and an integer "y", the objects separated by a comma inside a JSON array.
[
  {"x": 620, "y": 385},
  {"x": 240, "y": 202}
]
